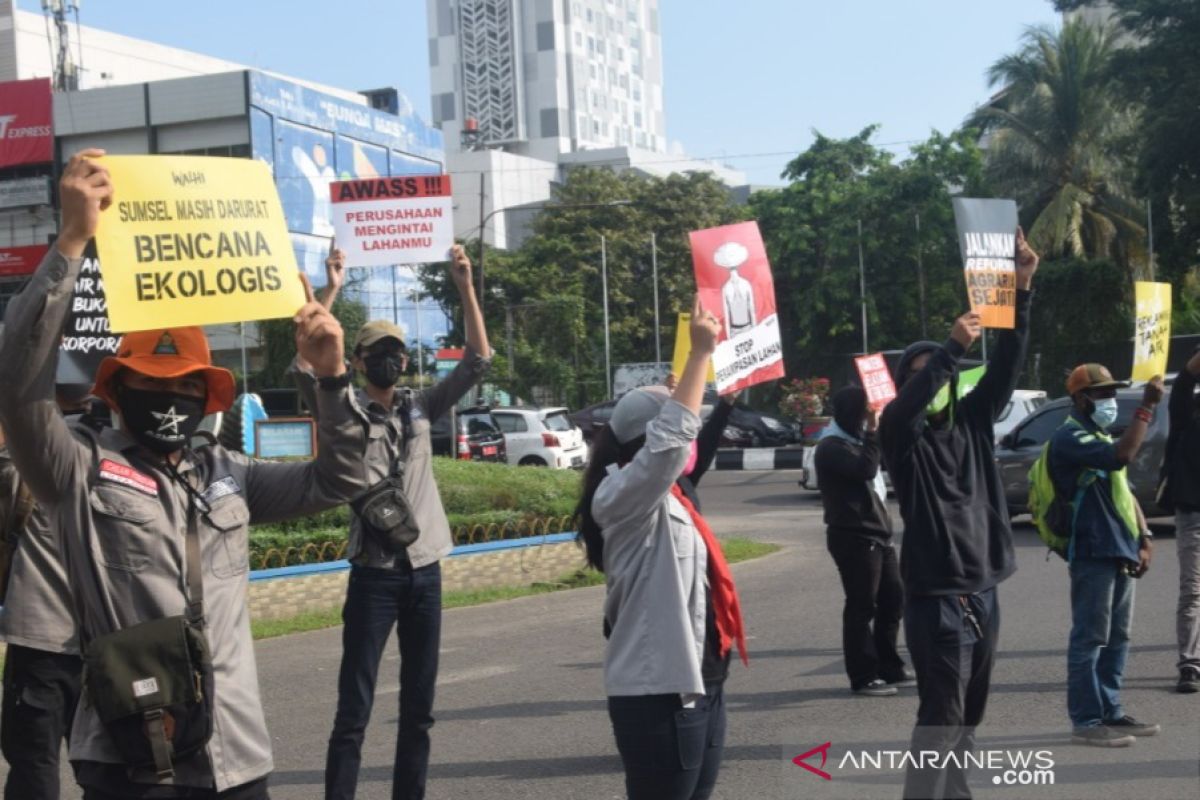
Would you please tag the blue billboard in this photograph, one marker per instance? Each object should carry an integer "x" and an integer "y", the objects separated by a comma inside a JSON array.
[{"x": 310, "y": 138}]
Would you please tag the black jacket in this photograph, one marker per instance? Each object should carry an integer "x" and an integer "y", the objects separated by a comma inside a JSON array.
[
  {"x": 957, "y": 533},
  {"x": 845, "y": 473},
  {"x": 1183, "y": 445}
]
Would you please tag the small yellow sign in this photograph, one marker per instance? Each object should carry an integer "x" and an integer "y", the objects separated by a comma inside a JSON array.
[
  {"x": 1151, "y": 330},
  {"x": 683, "y": 346},
  {"x": 194, "y": 240}
]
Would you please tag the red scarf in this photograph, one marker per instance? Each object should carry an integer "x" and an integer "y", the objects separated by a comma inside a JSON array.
[{"x": 727, "y": 609}]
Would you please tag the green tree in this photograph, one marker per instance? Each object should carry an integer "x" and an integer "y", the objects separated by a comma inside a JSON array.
[
  {"x": 811, "y": 231},
  {"x": 278, "y": 337},
  {"x": 544, "y": 303},
  {"x": 1061, "y": 144},
  {"x": 1157, "y": 66}
]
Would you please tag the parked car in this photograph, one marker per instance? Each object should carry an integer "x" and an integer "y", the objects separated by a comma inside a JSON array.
[
  {"x": 477, "y": 435},
  {"x": 541, "y": 437},
  {"x": 593, "y": 418},
  {"x": 1023, "y": 403},
  {"x": 746, "y": 427},
  {"x": 808, "y": 471},
  {"x": 1020, "y": 448}
]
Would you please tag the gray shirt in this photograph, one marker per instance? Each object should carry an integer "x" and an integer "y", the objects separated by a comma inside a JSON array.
[
  {"x": 122, "y": 522},
  {"x": 655, "y": 564},
  {"x": 388, "y": 452},
  {"x": 37, "y": 606}
]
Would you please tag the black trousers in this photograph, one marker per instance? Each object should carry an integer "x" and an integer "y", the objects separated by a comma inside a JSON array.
[
  {"x": 410, "y": 600},
  {"x": 41, "y": 690},
  {"x": 954, "y": 662},
  {"x": 874, "y": 607},
  {"x": 670, "y": 752}
]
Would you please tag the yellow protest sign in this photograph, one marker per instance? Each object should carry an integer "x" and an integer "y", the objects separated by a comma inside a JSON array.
[
  {"x": 1152, "y": 329},
  {"x": 683, "y": 346},
  {"x": 194, "y": 240}
]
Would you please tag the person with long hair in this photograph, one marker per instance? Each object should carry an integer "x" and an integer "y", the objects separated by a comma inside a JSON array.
[{"x": 666, "y": 657}]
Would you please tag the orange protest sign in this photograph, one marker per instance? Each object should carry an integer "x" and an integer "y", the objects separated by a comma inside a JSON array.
[{"x": 987, "y": 236}]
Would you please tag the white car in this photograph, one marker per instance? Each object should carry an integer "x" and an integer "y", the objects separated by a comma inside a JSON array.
[
  {"x": 1023, "y": 403},
  {"x": 541, "y": 437}
]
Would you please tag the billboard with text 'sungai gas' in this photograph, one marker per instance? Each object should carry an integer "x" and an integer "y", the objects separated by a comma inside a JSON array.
[{"x": 26, "y": 123}]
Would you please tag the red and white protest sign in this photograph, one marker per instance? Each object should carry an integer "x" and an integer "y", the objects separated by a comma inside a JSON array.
[
  {"x": 399, "y": 220},
  {"x": 26, "y": 122},
  {"x": 734, "y": 281},
  {"x": 21, "y": 260},
  {"x": 876, "y": 380}
]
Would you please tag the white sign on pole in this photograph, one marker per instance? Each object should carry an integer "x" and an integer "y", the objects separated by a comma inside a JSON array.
[{"x": 398, "y": 220}]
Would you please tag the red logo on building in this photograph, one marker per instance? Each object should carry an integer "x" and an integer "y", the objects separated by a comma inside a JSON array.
[
  {"x": 26, "y": 122},
  {"x": 21, "y": 260}
]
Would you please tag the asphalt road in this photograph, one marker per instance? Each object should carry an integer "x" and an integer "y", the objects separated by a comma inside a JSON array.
[{"x": 521, "y": 712}]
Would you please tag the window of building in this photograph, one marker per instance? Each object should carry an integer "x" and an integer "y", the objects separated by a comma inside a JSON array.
[
  {"x": 591, "y": 44},
  {"x": 637, "y": 94},
  {"x": 595, "y": 127},
  {"x": 637, "y": 119},
  {"x": 620, "y": 54},
  {"x": 592, "y": 70},
  {"x": 589, "y": 15},
  {"x": 578, "y": 39},
  {"x": 600, "y": 47}
]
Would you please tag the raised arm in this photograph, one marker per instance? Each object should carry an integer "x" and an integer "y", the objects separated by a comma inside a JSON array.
[
  {"x": 709, "y": 439},
  {"x": 904, "y": 417},
  {"x": 338, "y": 473},
  {"x": 1004, "y": 368},
  {"x": 439, "y": 399},
  {"x": 42, "y": 447},
  {"x": 634, "y": 490}
]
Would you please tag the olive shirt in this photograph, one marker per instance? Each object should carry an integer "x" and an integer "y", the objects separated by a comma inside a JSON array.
[
  {"x": 390, "y": 452},
  {"x": 122, "y": 523}
]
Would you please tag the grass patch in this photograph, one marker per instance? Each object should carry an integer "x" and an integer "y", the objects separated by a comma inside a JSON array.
[{"x": 735, "y": 550}]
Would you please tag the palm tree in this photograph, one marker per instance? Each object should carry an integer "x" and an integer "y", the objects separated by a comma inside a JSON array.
[{"x": 1060, "y": 141}]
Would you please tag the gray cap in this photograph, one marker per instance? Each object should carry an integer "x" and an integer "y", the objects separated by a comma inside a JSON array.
[{"x": 635, "y": 409}]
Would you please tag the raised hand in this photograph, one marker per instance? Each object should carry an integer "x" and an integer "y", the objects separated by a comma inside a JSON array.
[
  {"x": 85, "y": 190},
  {"x": 460, "y": 266},
  {"x": 703, "y": 329},
  {"x": 967, "y": 329},
  {"x": 1027, "y": 261},
  {"x": 319, "y": 338}
]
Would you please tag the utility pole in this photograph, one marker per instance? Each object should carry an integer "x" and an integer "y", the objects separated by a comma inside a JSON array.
[
  {"x": 420, "y": 348},
  {"x": 862, "y": 288},
  {"x": 654, "y": 269},
  {"x": 482, "y": 247},
  {"x": 921, "y": 281},
  {"x": 1149, "y": 240},
  {"x": 395, "y": 308},
  {"x": 607, "y": 344}
]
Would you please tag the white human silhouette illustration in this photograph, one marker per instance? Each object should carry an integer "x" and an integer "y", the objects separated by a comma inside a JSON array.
[{"x": 737, "y": 295}]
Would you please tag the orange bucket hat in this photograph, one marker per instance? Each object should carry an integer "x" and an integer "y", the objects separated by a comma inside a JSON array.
[{"x": 167, "y": 353}]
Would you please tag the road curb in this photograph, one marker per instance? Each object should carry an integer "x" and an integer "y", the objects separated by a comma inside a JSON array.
[{"x": 760, "y": 458}]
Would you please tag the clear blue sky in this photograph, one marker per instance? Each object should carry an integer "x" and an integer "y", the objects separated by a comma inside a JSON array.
[{"x": 741, "y": 78}]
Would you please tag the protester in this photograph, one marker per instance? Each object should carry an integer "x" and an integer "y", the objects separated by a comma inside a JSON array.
[
  {"x": 663, "y": 568},
  {"x": 1182, "y": 469},
  {"x": 42, "y": 667},
  {"x": 396, "y": 583},
  {"x": 859, "y": 537},
  {"x": 1109, "y": 547},
  {"x": 154, "y": 535},
  {"x": 957, "y": 544}
]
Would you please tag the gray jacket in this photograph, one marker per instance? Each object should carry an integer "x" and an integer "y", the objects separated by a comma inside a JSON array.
[
  {"x": 122, "y": 523},
  {"x": 656, "y": 567},
  {"x": 37, "y": 607},
  {"x": 387, "y": 451}
]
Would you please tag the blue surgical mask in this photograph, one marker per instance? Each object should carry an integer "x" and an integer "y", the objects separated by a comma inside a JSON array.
[{"x": 1105, "y": 413}]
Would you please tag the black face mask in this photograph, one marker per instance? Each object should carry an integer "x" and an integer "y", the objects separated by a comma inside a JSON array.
[
  {"x": 384, "y": 369},
  {"x": 160, "y": 421}
]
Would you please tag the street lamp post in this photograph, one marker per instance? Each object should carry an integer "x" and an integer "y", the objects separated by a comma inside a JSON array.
[
  {"x": 654, "y": 270},
  {"x": 607, "y": 345}
]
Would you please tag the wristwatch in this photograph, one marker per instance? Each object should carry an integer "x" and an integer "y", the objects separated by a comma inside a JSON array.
[{"x": 332, "y": 383}]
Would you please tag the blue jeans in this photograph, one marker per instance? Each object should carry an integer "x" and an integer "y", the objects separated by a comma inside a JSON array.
[
  {"x": 670, "y": 752},
  {"x": 376, "y": 599},
  {"x": 1101, "y": 616}
]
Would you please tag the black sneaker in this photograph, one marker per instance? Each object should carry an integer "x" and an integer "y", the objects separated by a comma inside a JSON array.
[
  {"x": 1189, "y": 681},
  {"x": 875, "y": 688},
  {"x": 901, "y": 678},
  {"x": 1101, "y": 736},
  {"x": 1131, "y": 726}
]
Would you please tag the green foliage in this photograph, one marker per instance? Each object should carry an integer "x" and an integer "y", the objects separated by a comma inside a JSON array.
[
  {"x": 544, "y": 302},
  {"x": 811, "y": 231},
  {"x": 1061, "y": 139},
  {"x": 278, "y": 338}
]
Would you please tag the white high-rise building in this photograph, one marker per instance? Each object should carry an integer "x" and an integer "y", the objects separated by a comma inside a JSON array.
[{"x": 543, "y": 78}]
